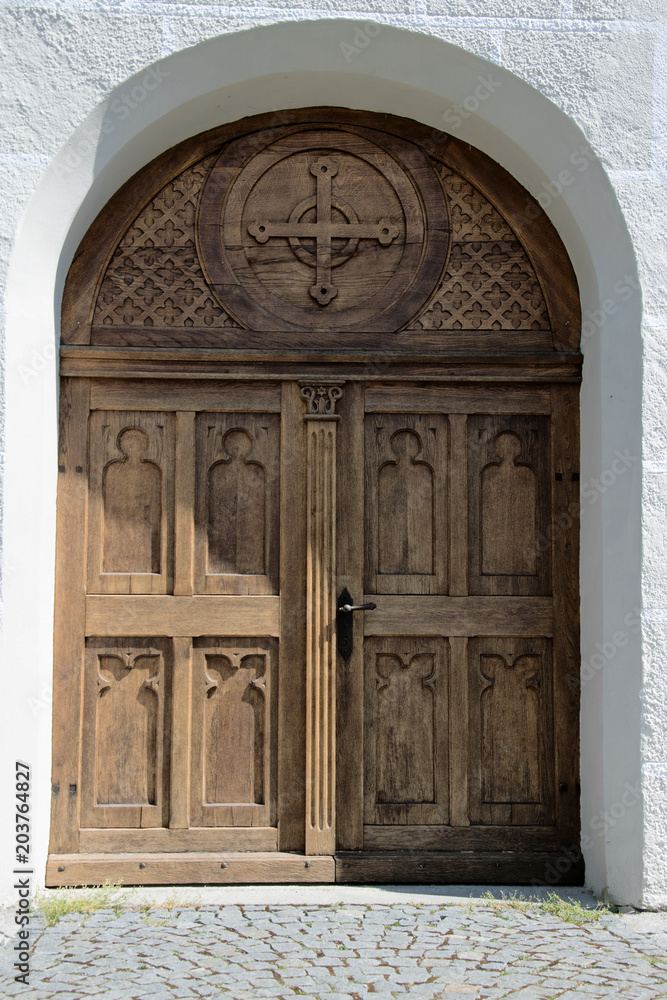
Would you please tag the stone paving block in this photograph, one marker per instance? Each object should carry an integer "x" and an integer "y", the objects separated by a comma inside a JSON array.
[{"x": 342, "y": 955}]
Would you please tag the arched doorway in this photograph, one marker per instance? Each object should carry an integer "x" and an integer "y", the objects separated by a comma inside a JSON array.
[{"x": 309, "y": 354}]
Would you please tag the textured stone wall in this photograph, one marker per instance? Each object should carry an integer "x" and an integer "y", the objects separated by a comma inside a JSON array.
[{"x": 602, "y": 62}]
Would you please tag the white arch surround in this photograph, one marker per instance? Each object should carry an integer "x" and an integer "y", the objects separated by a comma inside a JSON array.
[{"x": 399, "y": 72}]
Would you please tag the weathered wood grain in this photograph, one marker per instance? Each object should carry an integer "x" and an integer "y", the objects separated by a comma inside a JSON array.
[
  {"x": 459, "y": 616},
  {"x": 175, "y": 615},
  {"x": 193, "y": 868}
]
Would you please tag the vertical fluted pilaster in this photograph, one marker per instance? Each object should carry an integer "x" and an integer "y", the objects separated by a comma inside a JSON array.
[{"x": 321, "y": 618}]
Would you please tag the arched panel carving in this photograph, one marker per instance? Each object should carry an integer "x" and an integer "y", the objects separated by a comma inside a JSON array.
[
  {"x": 509, "y": 498},
  {"x": 237, "y": 511},
  {"x": 131, "y": 508},
  {"x": 509, "y": 542},
  {"x": 130, "y": 513},
  {"x": 233, "y": 753},
  {"x": 406, "y": 503}
]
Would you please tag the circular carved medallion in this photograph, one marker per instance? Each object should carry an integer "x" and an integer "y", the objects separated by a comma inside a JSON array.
[{"x": 322, "y": 228}]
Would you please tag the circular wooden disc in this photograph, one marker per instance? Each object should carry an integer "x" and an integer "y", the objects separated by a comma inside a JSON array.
[{"x": 322, "y": 228}]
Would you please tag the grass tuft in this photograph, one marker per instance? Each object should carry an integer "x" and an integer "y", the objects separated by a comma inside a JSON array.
[
  {"x": 506, "y": 902},
  {"x": 53, "y": 904},
  {"x": 571, "y": 911}
]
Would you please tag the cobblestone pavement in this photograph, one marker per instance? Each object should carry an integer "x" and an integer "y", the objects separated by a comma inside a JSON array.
[{"x": 428, "y": 950}]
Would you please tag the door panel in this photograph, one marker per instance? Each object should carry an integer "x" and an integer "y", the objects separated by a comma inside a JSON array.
[
  {"x": 511, "y": 731},
  {"x": 130, "y": 502},
  {"x": 406, "y": 503},
  {"x": 406, "y": 731},
  {"x": 126, "y": 732},
  {"x": 233, "y": 779},
  {"x": 237, "y": 546},
  {"x": 508, "y": 504}
]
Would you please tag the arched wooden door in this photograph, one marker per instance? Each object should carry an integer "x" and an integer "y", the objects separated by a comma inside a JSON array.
[{"x": 309, "y": 360}]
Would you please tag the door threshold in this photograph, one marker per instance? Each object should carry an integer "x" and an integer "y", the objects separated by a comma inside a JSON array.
[
  {"x": 197, "y": 868},
  {"x": 535, "y": 868}
]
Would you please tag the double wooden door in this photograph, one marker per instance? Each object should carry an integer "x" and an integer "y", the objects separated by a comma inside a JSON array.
[{"x": 213, "y": 731}]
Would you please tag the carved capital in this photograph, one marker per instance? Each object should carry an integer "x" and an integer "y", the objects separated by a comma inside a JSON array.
[{"x": 321, "y": 401}]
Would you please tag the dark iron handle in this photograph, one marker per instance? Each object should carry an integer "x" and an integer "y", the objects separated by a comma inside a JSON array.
[{"x": 358, "y": 607}]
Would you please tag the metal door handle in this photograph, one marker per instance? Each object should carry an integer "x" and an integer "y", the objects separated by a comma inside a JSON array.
[{"x": 345, "y": 622}]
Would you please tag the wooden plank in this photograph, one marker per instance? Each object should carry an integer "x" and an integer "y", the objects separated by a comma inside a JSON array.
[
  {"x": 350, "y": 562},
  {"x": 156, "y": 394},
  {"x": 566, "y": 649},
  {"x": 458, "y": 732},
  {"x": 172, "y": 616},
  {"x": 465, "y": 868},
  {"x": 458, "y": 616},
  {"x": 291, "y": 677},
  {"x": 458, "y": 399},
  {"x": 184, "y": 502},
  {"x": 70, "y": 610},
  {"x": 250, "y": 838},
  {"x": 237, "y": 339},
  {"x": 181, "y": 715},
  {"x": 369, "y": 366},
  {"x": 469, "y": 838},
  {"x": 458, "y": 506},
  {"x": 196, "y": 868}
]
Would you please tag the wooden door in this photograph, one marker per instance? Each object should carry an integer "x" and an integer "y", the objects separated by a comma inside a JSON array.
[
  {"x": 300, "y": 353},
  {"x": 459, "y": 687}
]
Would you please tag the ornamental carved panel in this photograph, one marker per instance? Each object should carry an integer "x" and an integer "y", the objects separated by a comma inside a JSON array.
[
  {"x": 328, "y": 234},
  {"x": 328, "y": 229}
]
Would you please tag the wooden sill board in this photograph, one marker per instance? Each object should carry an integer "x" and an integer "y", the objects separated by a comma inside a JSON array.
[
  {"x": 188, "y": 869},
  {"x": 539, "y": 868}
]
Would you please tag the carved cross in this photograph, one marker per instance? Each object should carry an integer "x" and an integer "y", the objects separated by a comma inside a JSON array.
[{"x": 324, "y": 230}]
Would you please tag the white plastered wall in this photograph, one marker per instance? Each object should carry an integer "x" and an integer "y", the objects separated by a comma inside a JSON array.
[{"x": 403, "y": 73}]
